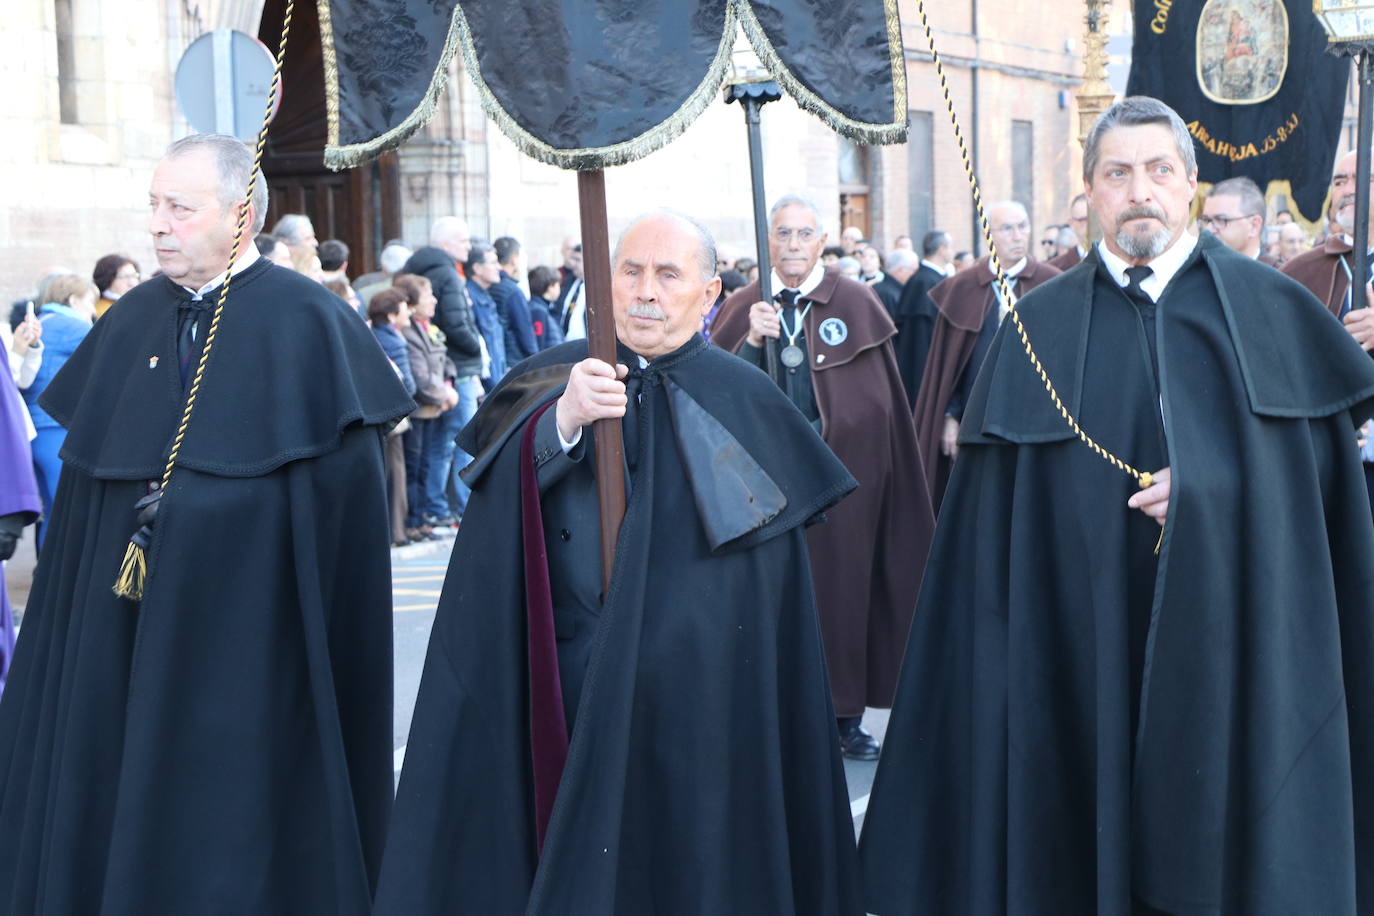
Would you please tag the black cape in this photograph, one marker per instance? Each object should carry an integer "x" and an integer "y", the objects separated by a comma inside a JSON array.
[
  {"x": 703, "y": 774},
  {"x": 1083, "y": 727},
  {"x": 915, "y": 320},
  {"x": 223, "y": 746}
]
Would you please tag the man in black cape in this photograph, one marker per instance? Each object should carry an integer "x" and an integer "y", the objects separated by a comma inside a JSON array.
[
  {"x": 702, "y": 775},
  {"x": 916, "y": 313},
  {"x": 1085, "y": 725},
  {"x": 222, "y": 746}
]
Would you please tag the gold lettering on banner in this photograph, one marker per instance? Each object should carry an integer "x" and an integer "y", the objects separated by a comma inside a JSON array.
[
  {"x": 1239, "y": 152},
  {"x": 1161, "y": 20}
]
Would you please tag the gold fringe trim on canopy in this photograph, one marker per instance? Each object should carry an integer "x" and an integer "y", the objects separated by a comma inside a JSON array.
[
  {"x": 343, "y": 157},
  {"x": 861, "y": 131},
  {"x": 338, "y": 156}
]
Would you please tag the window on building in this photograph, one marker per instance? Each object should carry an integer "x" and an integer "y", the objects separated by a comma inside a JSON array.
[
  {"x": 66, "y": 61},
  {"x": 920, "y": 169},
  {"x": 1023, "y": 165}
]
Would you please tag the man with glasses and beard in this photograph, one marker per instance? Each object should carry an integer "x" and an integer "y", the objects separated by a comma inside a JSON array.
[{"x": 1139, "y": 701}]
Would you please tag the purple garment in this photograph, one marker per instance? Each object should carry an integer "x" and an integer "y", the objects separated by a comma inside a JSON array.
[{"x": 18, "y": 490}]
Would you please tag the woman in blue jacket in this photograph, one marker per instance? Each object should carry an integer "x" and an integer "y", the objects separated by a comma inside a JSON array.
[{"x": 66, "y": 319}]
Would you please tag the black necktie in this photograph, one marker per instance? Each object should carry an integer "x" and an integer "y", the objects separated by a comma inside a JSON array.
[
  {"x": 188, "y": 314},
  {"x": 629, "y": 425},
  {"x": 787, "y": 298},
  {"x": 1137, "y": 276}
]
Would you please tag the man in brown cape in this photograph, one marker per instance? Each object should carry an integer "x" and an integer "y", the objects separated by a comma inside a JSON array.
[
  {"x": 970, "y": 312},
  {"x": 1326, "y": 273},
  {"x": 837, "y": 367},
  {"x": 1078, "y": 223}
]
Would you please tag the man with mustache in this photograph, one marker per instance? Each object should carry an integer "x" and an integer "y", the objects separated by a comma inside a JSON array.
[
  {"x": 834, "y": 342},
  {"x": 971, "y": 308},
  {"x": 1325, "y": 271},
  {"x": 1130, "y": 701},
  {"x": 665, "y": 743}
]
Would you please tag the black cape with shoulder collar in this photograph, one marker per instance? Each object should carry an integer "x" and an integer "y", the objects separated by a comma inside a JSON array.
[
  {"x": 1083, "y": 727},
  {"x": 224, "y": 745},
  {"x": 703, "y": 774}
]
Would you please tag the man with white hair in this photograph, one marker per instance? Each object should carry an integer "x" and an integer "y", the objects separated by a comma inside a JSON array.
[
  {"x": 574, "y": 743},
  {"x": 1325, "y": 271},
  {"x": 834, "y": 342},
  {"x": 297, "y": 232},
  {"x": 393, "y": 257},
  {"x": 231, "y": 718},
  {"x": 971, "y": 309},
  {"x": 1144, "y": 696}
]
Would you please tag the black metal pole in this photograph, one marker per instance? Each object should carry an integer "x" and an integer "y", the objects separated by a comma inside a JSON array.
[
  {"x": 751, "y": 107},
  {"x": 1360, "y": 260}
]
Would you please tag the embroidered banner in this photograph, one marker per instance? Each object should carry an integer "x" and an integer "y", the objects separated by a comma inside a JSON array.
[{"x": 1253, "y": 82}]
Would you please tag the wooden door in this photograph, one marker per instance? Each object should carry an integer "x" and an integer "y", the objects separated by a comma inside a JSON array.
[{"x": 360, "y": 206}]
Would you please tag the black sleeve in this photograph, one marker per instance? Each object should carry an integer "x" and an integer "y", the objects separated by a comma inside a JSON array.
[
  {"x": 551, "y": 462},
  {"x": 751, "y": 354},
  {"x": 453, "y": 314}
]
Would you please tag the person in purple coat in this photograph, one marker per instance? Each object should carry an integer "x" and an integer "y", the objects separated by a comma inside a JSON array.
[{"x": 19, "y": 500}]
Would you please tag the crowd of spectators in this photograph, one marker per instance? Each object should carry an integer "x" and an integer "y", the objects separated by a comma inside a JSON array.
[{"x": 453, "y": 316}]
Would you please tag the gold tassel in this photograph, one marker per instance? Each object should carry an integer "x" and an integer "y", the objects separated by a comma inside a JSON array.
[{"x": 132, "y": 572}]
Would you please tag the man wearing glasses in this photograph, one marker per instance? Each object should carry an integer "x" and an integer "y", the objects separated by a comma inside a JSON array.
[
  {"x": 834, "y": 343},
  {"x": 1078, "y": 223},
  {"x": 1234, "y": 213},
  {"x": 971, "y": 309}
]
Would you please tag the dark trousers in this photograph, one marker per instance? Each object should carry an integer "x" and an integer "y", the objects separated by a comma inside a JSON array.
[{"x": 416, "y": 445}]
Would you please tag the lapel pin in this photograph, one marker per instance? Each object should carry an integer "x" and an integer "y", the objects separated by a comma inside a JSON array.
[
  {"x": 152, "y": 362},
  {"x": 820, "y": 357}
]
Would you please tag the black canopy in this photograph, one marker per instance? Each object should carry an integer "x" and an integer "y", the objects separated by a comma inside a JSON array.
[{"x": 586, "y": 84}]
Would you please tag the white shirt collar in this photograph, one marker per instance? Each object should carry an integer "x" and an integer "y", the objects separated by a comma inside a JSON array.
[
  {"x": 1012, "y": 271},
  {"x": 812, "y": 281},
  {"x": 875, "y": 279},
  {"x": 1164, "y": 266},
  {"x": 245, "y": 261},
  {"x": 935, "y": 267}
]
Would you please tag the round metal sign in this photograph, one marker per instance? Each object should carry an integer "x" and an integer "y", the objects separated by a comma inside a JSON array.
[{"x": 222, "y": 83}]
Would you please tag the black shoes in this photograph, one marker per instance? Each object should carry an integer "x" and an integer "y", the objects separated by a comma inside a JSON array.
[{"x": 855, "y": 743}]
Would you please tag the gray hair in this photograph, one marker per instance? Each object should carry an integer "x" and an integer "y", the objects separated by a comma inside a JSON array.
[
  {"x": 933, "y": 241},
  {"x": 394, "y": 257},
  {"x": 446, "y": 229},
  {"x": 1014, "y": 204},
  {"x": 706, "y": 253},
  {"x": 293, "y": 228},
  {"x": 1251, "y": 200},
  {"x": 796, "y": 200},
  {"x": 234, "y": 162},
  {"x": 899, "y": 258},
  {"x": 1133, "y": 111}
]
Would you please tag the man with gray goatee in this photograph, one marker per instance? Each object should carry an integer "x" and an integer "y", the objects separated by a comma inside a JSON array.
[{"x": 1126, "y": 700}]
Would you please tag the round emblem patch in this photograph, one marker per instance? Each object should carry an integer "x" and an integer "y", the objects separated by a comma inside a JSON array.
[{"x": 833, "y": 331}]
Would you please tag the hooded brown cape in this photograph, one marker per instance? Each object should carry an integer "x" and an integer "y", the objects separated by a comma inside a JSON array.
[
  {"x": 867, "y": 561},
  {"x": 1320, "y": 271},
  {"x": 964, "y": 302}
]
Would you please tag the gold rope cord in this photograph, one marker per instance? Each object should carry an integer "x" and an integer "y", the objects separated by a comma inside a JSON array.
[
  {"x": 133, "y": 570},
  {"x": 1144, "y": 478}
]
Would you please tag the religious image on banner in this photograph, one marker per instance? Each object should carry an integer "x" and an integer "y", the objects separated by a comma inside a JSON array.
[
  {"x": 1265, "y": 100},
  {"x": 1242, "y": 50}
]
